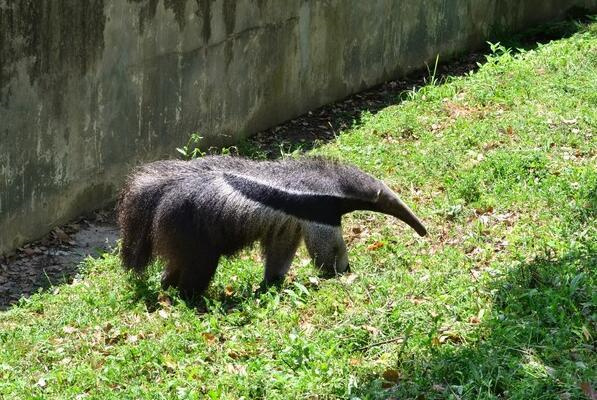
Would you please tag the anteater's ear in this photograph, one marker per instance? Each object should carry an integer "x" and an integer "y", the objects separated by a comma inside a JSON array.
[{"x": 389, "y": 203}]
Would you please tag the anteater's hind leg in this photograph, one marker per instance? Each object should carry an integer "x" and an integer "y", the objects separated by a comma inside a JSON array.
[
  {"x": 179, "y": 240},
  {"x": 189, "y": 266},
  {"x": 196, "y": 273},
  {"x": 278, "y": 249}
]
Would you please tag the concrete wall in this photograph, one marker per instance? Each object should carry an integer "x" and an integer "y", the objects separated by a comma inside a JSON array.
[{"x": 89, "y": 88}]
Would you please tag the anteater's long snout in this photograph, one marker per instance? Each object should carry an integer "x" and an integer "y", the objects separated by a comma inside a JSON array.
[{"x": 389, "y": 203}]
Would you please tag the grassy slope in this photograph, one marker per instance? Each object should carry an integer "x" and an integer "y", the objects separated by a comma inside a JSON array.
[{"x": 498, "y": 301}]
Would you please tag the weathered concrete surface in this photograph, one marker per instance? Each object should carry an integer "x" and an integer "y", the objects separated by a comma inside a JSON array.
[{"x": 89, "y": 88}]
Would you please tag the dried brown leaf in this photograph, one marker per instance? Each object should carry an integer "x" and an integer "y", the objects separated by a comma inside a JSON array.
[
  {"x": 354, "y": 362},
  {"x": 450, "y": 336},
  {"x": 209, "y": 337},
  {"x": 375, "y": 246}
]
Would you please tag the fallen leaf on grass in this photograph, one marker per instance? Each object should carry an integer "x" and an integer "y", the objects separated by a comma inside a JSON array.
[
  {"x": 371, "y": 329},
  {"x": 501, "y": 245},
  {"x": 348, "y": 278},
  {"x": 304, "y": 262},
  {"x": 484, "y": 210},
  {"x": 447, "y": 336},
  {"x": 354, "y": 362},
  {"x": 491, "y": 145},
  {"x": 65, "y": 361},
  {"x": 586, "y": 334},
  {"x": 209, "y": 337},
  {"x": 229, "y": 291},
  {"x": 456, "y": 110},
  {"x": 115, "y": 337},
  {"x": 375, "y": 246},
  {"x": 307, "y": 328}
]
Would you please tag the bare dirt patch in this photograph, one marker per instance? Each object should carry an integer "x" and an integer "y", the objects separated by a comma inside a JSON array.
[{"x": 56, "y": 258}]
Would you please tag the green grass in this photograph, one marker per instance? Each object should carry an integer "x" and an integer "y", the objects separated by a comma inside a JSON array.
[{"x": 498, "y": 302}]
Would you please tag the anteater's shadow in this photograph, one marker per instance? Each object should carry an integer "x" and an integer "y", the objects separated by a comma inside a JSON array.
[{"x": 214, "y": 300}]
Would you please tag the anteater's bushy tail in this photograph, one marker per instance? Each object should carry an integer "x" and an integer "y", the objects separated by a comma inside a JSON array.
[{"x": 136, "y": 209}]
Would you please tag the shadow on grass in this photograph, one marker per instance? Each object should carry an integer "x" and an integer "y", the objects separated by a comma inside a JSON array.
[
  {"x": 537, "y": 342},
  {"x": 532, "y": 38},
  {"x": 215, "y": 299}
]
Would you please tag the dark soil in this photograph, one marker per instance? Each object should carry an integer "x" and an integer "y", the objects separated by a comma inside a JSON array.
[
  {"x": 55, "y": 259},
  {"x": 323, "y": 124}
]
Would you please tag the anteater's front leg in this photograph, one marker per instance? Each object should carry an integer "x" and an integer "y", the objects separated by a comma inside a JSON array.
[{"x": 279, "y": 248}]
